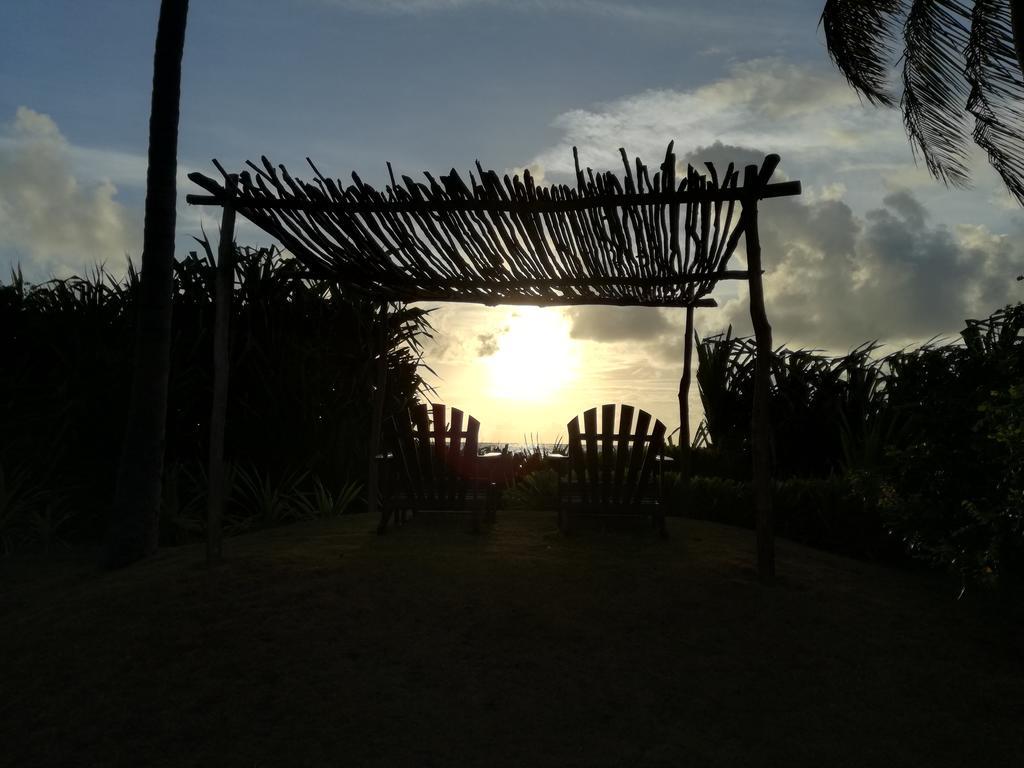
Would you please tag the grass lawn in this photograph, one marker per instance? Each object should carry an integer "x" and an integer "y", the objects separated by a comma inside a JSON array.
[{"x": 323, "y": 644}]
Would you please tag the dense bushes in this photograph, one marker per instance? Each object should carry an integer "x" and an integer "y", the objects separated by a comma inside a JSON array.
[
  {"x": 930, "y": 438},
  {"x": 837, "y": 513},
  {"x": 301, "y": 354},
  {"x": 536, "y": 490}
]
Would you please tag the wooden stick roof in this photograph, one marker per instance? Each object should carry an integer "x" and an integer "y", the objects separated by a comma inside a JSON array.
[{"x": 642, "y": 240}]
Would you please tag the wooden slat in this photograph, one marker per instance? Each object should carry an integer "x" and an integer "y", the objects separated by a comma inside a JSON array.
[
  {"x": 636, "y": 457},
  {"x": 622, "y": 453},
  {"x": 454, "y": 456},
  {"x": 469, "y": 455},
  {"x": 422, "y": 422},
  {"x": 593, "y": 477},
  {"x": 651, "y": 455},
  {"x": 472, "y": 448},
  {"x": 577, "y": 461},
  {"x": 607, "y": 452},
  {"x": 440, "y": 450}
]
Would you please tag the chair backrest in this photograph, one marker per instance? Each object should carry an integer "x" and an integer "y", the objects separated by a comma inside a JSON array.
[
  {"x": 611, "y": 466},
  {"x": 437, "y": 457}
]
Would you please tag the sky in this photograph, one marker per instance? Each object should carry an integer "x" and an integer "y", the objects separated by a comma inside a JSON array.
[{"x": 873, "y": 249}]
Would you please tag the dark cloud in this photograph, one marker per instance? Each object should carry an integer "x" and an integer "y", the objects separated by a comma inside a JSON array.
[
  {"x": 720, "y": 155},
  {"x": 907, "y": 206},
  {"x": 489, "y": 342},
  {"x": 835, "y": 280},
  {"x": 617, "y": 323}
]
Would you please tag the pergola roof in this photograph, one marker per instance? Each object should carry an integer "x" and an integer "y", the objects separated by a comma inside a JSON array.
[{"x": 641, "y": 240}]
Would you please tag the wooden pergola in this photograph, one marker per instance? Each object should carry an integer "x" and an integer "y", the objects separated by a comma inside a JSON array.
[{"x": 653, "y": 240}]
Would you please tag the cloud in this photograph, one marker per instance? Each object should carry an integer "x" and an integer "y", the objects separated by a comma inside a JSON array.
[
  {"x": 835, "y": 280},
  {"x": 50, "y": 221},
  {"x": 489, "y": 342},
  {"x": 617, "y": 323},
  {"x": 872, "y": 250},
  {"x": 801, "y": 113}
]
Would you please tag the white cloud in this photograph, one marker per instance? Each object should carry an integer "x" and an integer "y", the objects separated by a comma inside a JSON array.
[
  {"x": 812, "y": 118},
  {"x": 874, "y": 249},
  {"x": 51, "y": 221},
  {"x": 835, "y": 280}
]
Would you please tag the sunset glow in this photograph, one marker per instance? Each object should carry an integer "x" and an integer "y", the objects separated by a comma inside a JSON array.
[{"x": 536, "y": 358}]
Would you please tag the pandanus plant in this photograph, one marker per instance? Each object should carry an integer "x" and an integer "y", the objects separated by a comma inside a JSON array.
[{"x": 301, "y": 359}]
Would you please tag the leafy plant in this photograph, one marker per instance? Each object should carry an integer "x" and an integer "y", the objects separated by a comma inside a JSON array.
[
  {"x": 270, "y": 501},
  {"x": 323, "y": 502},
  {"x": 31, "y": 515},
  {"x": 536, "y": 491},
  {"x": 302, "y": 366},
  {"x": 19, "y": 497}
]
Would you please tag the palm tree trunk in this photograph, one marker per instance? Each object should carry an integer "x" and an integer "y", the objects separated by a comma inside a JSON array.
[{"x": 132, "y": 533}]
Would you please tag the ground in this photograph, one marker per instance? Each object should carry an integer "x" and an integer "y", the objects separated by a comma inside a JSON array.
[{"x": 323, "y": 644}]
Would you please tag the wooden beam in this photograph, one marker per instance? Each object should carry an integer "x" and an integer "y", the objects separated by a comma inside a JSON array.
[
  {"x": 380, "y": 369},
  {"x": 490, "y": 205},
  {"x": 760, "y": 422},
  {"x": 216, "y": 475},
  {"x": 583, "y": 282},
  {"x": 684, "y": 395},
  {"x": 404, "y": 281},
  {"x": 542, "y": 301}
]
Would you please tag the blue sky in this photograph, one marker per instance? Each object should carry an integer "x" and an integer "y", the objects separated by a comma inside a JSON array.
[{"x": 874, "y": 249}]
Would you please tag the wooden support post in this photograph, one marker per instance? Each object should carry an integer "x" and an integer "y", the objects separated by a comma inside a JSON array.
[
  {"x": 760, "y": 424},
  {"x": 684, "y": 395},
  {"x": 377, "y": 418},
  {"x": 225, "y": 283}
]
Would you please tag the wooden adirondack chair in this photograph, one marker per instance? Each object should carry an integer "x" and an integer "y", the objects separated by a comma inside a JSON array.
[
  {"x": 611, "y": 470},
  {"x": 433, "y": 466}
]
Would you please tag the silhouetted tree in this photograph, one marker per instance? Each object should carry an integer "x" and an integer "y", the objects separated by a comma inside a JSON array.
[
  {"x": 132, "y": 533},
  {"x": 960, "y": 60}
]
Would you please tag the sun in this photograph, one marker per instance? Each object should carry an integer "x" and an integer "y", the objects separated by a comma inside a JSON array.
[{"x": 536, "y": 358}]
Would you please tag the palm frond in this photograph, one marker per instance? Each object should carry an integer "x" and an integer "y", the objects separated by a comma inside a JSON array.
[
  {"x": 935, "y": 88},
  {"x": 997, "y": 92},
  {"x": 861, "y": 40}
]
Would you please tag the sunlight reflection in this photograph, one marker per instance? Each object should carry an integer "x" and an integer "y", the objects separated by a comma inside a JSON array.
[{"x": 536, "y": 358}]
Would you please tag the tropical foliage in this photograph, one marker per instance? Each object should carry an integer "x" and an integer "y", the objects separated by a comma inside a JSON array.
[
  {"x": 961, "y": 76},
  {"x": 928, "y": 439},
  {"x": 301, "y": 359}
]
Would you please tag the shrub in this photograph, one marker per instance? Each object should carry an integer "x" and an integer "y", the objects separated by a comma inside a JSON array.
[
  {"x": 32, "y": 514},
  {"x": 537, "y": 490},
  {"x": 302, "y": 354},
  {"x": 839, "y": 514}
]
